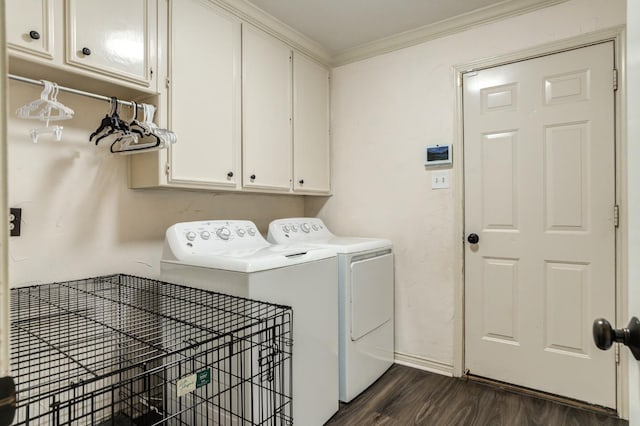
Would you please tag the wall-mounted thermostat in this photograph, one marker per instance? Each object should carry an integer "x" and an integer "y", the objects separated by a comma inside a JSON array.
[{"x": 437, "y": 155}]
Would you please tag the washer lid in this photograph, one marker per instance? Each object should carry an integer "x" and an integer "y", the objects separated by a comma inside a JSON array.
[
  {"x": 233, "y": 245},
  {"x": 344, "y": 245},
  {"x": 313, "y": 231},
  {"x": 253, "y": 260}
]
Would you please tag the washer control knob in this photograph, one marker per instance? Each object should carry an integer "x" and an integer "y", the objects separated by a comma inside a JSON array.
[
  {"x": 251, "y": 231},
  {"x": 294, "y": 228},
  {"x": 305, "y": 228},
  {"x": 191, "y": 235},
  {"x": 285, "y": 229},
  {"x": 315, "y": 227},
  {"x": 205, "y": 235},
  {"x": 224, "y": 233},
  {"x": 240, "y": 232}
]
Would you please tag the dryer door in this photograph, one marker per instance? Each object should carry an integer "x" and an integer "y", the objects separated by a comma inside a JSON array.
[{"x": 371, "y": 294}]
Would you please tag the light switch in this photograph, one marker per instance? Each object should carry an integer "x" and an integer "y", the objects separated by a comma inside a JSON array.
[{"x": 440, "y": 179}]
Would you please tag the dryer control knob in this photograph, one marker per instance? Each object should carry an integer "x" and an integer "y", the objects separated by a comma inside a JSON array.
[
  {"x": 294, "y": 228},
  {"x": 191, "y": 235},
  {"x": 224, "y": 233},
  {"x": 315, "y": 227},
  {"x": 305, "y": 228},
  {"x": 285, "y": 229},
  {"x": 251, "y": 231},
  {"x": 205, "y": 235},
  {"x": 240, "y": 232}
]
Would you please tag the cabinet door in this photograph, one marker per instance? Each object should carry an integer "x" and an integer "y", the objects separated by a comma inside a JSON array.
[
  {"x": 111, "y": 37},
  {"x": 311, "y": 168},
  {"x": 30, "y": 26},
  {"x": 266, "y": 111},
  {"x": 204, "y": 94}
]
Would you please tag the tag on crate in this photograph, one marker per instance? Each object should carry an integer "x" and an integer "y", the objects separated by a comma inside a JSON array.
[{"x": 193, "y": 381}]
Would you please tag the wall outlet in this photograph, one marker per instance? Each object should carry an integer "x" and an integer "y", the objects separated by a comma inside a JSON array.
[
  {"x": 440, "y": 179},
  {"x": 15, "y": 218}
]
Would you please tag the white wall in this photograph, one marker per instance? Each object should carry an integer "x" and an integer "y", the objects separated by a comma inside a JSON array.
[
  {"x": 385, "y": 110},
  {"x": 633, "y": 152},
  {"x": 79, "y": 217}
]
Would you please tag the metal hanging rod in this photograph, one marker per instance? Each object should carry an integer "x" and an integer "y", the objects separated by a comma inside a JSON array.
[{"x": 69, "y": 90}]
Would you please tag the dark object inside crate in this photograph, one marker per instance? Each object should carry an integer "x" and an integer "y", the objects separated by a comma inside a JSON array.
[{"x": 118, "y": 349}]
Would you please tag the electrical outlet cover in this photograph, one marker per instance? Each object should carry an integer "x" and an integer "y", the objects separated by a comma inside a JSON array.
[
  {"x": 15, "y": 219},
  {"x": 440, "y": 179}
]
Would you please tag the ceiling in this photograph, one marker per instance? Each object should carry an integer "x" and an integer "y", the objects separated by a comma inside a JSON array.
[{"x": 339, "y": 25}]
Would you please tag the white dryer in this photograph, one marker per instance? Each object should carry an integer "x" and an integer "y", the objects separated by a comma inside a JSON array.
[
  {"x": 232, "y": 257},
  {"x": 366, "y": 301}
]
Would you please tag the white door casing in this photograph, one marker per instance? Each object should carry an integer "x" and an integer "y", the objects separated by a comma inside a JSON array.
[
  {"x": 633, "y": 199},
  {"x": 4, "y": 242},
  {"x": 539, "y": 192}
]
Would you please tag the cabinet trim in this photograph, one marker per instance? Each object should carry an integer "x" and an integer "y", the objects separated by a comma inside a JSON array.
[{"x": 255, "y": 16}]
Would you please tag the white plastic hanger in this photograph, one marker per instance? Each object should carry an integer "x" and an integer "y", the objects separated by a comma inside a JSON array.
[
  {"x": 46, "y": 109},
  {"x": 168, "y": 137}
]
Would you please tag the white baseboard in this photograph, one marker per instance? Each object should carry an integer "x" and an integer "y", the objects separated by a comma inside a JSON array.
[{"x": 422, "y": 363}]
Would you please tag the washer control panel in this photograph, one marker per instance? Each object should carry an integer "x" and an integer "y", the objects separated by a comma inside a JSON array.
[
  {"x": 286, "y": 231},
  {"x": 216, "y": 234}
]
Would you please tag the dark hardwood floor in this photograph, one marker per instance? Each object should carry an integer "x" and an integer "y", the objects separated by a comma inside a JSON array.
[{"x": 406, "y": 396}]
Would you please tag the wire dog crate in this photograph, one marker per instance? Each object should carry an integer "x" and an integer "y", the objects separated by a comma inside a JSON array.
[{"x": 123, "y": 350}]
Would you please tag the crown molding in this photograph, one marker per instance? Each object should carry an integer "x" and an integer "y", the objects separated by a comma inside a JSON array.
[
  {"x": 439, "y": 29},
  {"x": 258, "y": 18}
]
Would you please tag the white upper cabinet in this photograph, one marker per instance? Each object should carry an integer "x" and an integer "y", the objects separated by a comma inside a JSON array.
[
  {"x": 30, "y": 26},
  {"x": 111, "y": 37},
  {"x": 113, "y": 41},
  {"x": 228, "y": 92},
  {"x": 311, "y": 153},
  {"x": 266, "y": 76},
  {"x": 204, "y": 95}
]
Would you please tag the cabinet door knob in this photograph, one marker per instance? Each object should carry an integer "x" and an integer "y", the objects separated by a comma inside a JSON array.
[
  {"x": 301, "y": 181},
  {"x": 230, "y": 174},
  {"x": 86, "y": 51},
  {"x": 252, "y": 177},
  {"x": 34, "y": 35}
]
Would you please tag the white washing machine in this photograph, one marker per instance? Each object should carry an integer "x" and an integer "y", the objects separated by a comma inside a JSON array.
[
  {"x": 232, "y": 257},
  {"x": 366, "y": 304}
]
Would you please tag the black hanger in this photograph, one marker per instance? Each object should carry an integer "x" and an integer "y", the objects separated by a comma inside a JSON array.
[
  {"x": 134, "y": 124},
  {"x": 110, "y": 124},
  {"x": 141, "y": 145}
]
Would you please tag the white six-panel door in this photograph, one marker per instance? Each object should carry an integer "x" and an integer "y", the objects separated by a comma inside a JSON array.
[{"x": 540, "y": 193}]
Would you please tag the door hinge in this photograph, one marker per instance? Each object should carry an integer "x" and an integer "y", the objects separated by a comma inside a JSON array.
[
  {"x": 167, "y": 169},
  {"x": 615, "y": 79},
  {"x": 617, "y": 354},
  {"x": 616, "y": 215},
  {"x": 167, "y": 83}
]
